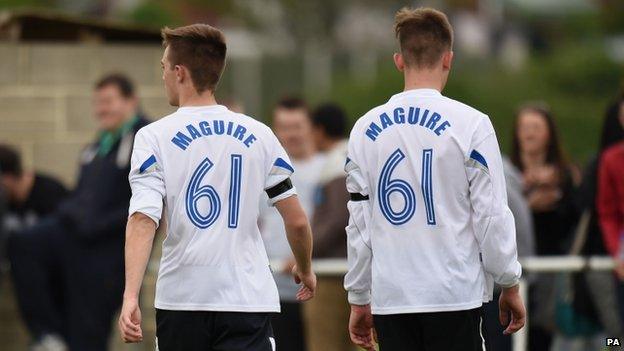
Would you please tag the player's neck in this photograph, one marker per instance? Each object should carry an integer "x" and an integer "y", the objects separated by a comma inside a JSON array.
[
  {"x": 192, "y": 98},
  {"x": 423, "y": 79}
]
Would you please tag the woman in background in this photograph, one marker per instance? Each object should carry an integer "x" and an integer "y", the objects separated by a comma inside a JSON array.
[
  {"x": 600, "y": 301},
  {"x": 610, "y": 198},
  {"x": 549, "y": 181}
]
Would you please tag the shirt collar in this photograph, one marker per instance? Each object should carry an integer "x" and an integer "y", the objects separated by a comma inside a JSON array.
[
  {"x": 205, "y": 107},
  {"x": 415, "y": 92}
]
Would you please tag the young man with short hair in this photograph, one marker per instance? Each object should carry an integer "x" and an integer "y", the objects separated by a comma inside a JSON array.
[
  {"x": 83, "y": 239},
  {"x": 430, "y": 229},
  {"x": 210, "y": 167}
]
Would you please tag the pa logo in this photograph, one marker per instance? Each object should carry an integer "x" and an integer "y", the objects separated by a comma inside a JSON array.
[{"x": 613, "y": 342}]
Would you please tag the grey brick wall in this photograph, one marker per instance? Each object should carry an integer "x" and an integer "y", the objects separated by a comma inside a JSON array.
[{"x": 45, "y": 97}]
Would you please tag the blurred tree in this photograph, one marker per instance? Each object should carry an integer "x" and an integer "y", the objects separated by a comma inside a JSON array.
[
  {"x": 612, "y": 15},
  {"x": 9, "y": 4}
]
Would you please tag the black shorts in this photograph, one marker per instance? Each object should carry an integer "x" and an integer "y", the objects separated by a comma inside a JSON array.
[
  {"x": 448, "y": 331},
  {"x": 218, "y": 331}
]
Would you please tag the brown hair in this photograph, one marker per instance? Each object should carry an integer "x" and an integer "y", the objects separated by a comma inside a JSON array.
[
  {"x": 554, "y": 151},
  {"x": 118, "y": 80},
  {"x": 424, "y": 34},
  {"x": 292, "y": 103},
  {"x": 201, "y": 49}
]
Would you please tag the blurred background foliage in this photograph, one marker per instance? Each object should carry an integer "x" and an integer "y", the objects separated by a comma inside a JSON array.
[
  {"x": 574, "y": 60},
  {"x": 577, "y": 84}
]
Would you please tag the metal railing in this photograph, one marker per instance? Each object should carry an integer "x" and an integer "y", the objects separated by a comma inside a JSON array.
[{"x": 543, "y": 264}]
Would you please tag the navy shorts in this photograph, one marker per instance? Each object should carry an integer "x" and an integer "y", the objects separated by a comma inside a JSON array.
[{"x": 218, "y": 331}]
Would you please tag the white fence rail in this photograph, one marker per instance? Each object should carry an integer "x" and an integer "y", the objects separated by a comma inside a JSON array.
[{"x": 338, "y": 267}]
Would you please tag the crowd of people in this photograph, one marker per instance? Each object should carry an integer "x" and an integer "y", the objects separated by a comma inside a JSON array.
[{"x": 65, "y": 247}]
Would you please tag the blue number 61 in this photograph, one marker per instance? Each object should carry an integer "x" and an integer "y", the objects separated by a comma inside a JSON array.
[
  {"x": 196, "y": 191},
  {"x": 388, "y": 186}
]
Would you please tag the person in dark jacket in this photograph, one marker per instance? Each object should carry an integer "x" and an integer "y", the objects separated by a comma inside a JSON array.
[
  {"x": 30, "y": 196},
  {"x": 607, "y": 172},
  {"x": 85, "y": 237},
  {"x": 549, "y": 183},
  {"x": 596, "y": 297}
]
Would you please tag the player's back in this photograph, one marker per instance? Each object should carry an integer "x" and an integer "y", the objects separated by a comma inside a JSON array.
[
  {"x": 215, "y": 165},
  {"x": 413, "y": 152}
]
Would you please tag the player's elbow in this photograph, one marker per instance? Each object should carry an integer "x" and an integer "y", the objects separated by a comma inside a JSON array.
[
  {"x": 141, "y": 220},
  {"x": 298, "y": 223}
]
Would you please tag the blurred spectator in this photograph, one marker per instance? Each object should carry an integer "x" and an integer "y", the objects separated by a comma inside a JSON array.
[
  {"x": 525, "y": 236},
  {"x": 328, "y": 312},
  {"x": 84, "y": 239},
  {"x": 525, "y": 241},
  {"x": 548, "y": 178},
  {"x": 293, "y": 128},
  {"x": 610, "y": 200},
  {"x": 611, "y": 197},
  {"x": 595, "y": 291},
  {"x": 330, "y": 213},
  {"x": 30, "y": 196},
  {"x": 549, "y": 181}
]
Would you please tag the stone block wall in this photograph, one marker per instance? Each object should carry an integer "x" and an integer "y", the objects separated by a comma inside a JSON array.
[{"x": 45, "y": 97}]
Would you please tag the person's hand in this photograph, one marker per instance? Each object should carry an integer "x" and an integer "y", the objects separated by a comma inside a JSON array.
[
  {"x": 543, "y": 199},
  {"x": 541, "y": 176},
  {"x": 308, "y": 279},
  {"x": 361, "y": 329},
  {"x": 510, "y": 303},
  {"x": 619, "y": 268},
  {"x": 130, "y": 321}
]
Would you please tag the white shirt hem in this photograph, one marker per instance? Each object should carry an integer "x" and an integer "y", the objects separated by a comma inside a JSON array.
[
  {"x": 425, "y": 309},
  {"x": 216, "y": 308}
]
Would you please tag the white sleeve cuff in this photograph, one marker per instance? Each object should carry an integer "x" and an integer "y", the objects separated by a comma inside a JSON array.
[
  {"x": 359, "y": 298},
  {"x": 147, "y": 202},
  {"x": 509, "y": 280},
  {"x": 509, "y": 284}
]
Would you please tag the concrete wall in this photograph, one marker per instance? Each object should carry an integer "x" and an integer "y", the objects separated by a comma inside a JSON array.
[{"x": 45, "y": 97}]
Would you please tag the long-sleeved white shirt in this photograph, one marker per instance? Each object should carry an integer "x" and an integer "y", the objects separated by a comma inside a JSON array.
[
  {"x": 210, "y": 167},
  {"x": 436, "y": 231}
]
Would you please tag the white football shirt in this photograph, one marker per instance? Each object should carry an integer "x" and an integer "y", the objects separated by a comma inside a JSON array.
[
  {"x": 436, "y": 229},
  {"x": 209, "y": 166}
]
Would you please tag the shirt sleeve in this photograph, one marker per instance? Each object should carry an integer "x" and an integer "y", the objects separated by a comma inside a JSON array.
[
  {"x": 146, "y": 179},
  {"x": 277, "y": 183},
  {"x": 493, "y": 222},
  {"x": 357, "y": 281}
]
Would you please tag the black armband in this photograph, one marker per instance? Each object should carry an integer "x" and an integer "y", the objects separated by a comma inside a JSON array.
[
  {"x": 358, "y": 197},
  {"x": 279, "y": 188}
]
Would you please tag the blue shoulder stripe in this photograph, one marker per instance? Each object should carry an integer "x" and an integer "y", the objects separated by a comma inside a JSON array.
[
  {"x": 283, "y": 164},
  {"x": 147, "y": 164},
  {"x": 475, "y": 155}
]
